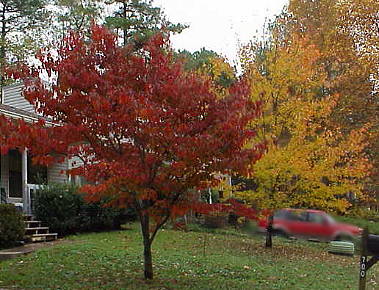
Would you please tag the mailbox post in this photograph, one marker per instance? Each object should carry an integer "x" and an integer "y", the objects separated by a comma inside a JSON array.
[
  {"x": 370, "y": 247},
  {"x": 269, "y": 231}
]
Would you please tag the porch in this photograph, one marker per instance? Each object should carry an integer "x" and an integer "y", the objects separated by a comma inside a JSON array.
[{"x": 20, "y": 178}]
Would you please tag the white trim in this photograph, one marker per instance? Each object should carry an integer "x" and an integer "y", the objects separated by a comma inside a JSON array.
[
  {"x": 15, "y": 84},
  {"x": 13, "y": 199},
  {"x": 24, "y": 164},
  {"x": 20, "y": 116}
]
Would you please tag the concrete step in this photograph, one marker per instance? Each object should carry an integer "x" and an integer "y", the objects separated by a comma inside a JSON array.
[
  {"x": 28, "y": 217},
  {"x": 42, "y": 237},
  {"x": 33, "y": 224},
  {"x": 37, "y": 230},
  {"x": 4, "y": 255},
  {"x": 34, "y": 232}
]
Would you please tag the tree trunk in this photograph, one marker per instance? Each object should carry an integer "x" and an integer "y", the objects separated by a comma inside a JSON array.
[{"x": 148, "y": 261}]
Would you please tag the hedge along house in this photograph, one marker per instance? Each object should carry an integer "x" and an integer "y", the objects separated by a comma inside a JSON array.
[{"x": 19, "y": 178}]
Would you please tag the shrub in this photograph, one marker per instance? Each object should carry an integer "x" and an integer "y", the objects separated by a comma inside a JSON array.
[
  {"x": 12, "y": 226},
  {"x": 66, "y": 212},
  {"x": 58, "y": 206},
  {"x": 96, "y": 217},
  {"x": 218, "y": 220}
]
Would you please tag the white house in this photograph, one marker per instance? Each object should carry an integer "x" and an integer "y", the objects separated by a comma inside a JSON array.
[{"x": 18, "y": 176}]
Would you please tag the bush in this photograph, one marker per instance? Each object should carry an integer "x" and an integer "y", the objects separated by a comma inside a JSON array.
[
  {"x": 215, "y": 221},
  {"x": 58, "y": 206},
  {"x": 66, "y": 212},
  {"x": 12, "y": 226},
  {"x": 96, "y": 217}
]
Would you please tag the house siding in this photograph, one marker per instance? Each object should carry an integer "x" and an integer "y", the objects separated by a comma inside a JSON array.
[
  {"x": 74, "y": 162},
  {"x": 56, "y": 173},
  {"x": 12, "y": 96},
  {"x": 15, "y": 106}
]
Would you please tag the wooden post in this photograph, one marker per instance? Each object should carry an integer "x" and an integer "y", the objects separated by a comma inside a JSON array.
[
  {"x": 363, "y": 261},
  {"x": 269, "y": 232}
]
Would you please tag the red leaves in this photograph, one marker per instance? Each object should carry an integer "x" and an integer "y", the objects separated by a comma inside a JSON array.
[
  {"x": 146, "y": 131},
  {"x": 231, "y": 206},
  {"x": 4, "y": 149}
]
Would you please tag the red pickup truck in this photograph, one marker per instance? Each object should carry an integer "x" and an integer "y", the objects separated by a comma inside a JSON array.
[{"x": 309, "y": 223}]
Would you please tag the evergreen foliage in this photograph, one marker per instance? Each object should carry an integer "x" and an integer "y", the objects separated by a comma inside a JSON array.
[
  {"x": 65, "y": 211},
  {"x": 12, "y": 226}
]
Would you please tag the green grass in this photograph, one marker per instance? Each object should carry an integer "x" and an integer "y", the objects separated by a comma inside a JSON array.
[
  {"x": 360, "y": 222},
  {"x": 192, "y": 260}
]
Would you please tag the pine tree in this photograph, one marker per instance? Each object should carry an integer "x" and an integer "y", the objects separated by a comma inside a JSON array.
[
  {"x": 20, "y": 21},
  {"x": 137, "y": 20}
]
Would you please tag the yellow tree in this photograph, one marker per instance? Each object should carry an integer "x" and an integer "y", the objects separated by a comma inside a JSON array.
[
  {"x": 311, "y": 161},
  {"x": 211, "y": 65},
  {"x": 347, "y": 36}
]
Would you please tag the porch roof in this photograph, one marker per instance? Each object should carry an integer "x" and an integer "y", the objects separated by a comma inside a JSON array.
[{"x": 17, "y": 113}]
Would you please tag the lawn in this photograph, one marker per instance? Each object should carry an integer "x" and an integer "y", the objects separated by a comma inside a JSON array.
[
  {"x": 183, "y": 260},
  {"x": 373, "y": 227}
]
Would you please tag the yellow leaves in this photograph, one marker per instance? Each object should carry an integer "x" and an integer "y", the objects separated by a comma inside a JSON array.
[
  {"x": 225, "y": 187},
  {"x": 217, "y": 67},
  {"x": 310, "y": 75},
  {"x": 220, "y": 72},
  {"x": 285, "y": 78},
  {"x": 313, "y": 172}
]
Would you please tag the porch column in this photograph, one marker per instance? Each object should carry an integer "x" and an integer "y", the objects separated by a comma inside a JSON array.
[
  {"x": 229, "y": 177},
  {"x": 25, "y": 196}
]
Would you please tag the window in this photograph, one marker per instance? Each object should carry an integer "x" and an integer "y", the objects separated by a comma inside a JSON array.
[
  {"x": 296, "y": 215},
  {"x": 316, "y": 218},
  {"x": 37, "y": 174},
  {"x": 280, "y": 214}
]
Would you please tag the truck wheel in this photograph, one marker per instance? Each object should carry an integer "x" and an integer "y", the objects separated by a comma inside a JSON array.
[{"x": 280, "y": 233}]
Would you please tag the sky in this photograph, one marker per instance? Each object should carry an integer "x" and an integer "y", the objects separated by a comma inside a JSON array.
[{"x": 219, "y": 25}]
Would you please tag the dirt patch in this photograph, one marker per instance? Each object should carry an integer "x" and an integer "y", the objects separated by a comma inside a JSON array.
[{"x": 29, "y": 248}]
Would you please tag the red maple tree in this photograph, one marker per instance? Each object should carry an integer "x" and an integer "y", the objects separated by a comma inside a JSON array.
[{"x": 147, "y": 133}]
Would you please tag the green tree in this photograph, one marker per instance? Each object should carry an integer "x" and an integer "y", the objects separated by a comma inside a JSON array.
[
  {"x": 20, "y": 24},
  {"x": 137, "y": 20},
  {"x": 74, "y": 15},
  {"x": 196, "y": 60},
  {"x": 146, "y": 130},
  {"x": 210, "y": 63}
]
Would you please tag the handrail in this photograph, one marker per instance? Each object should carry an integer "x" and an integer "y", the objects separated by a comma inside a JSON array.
[
  {"x": 3, "y": 195},
  {"x": 29, "y": 201}
]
